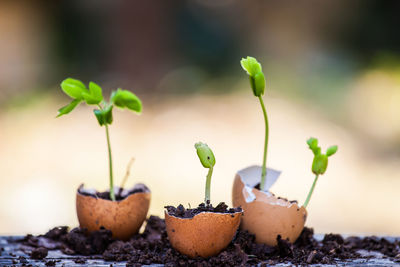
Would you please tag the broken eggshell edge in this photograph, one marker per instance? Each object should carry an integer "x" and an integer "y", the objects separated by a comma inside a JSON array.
[
  {"x": 266, "y": 215},
  {"x": 124, "y": 217},
  {"x": 204, "y": 235}
]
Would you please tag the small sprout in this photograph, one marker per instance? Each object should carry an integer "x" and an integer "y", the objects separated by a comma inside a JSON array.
[
  {"x": 257, "y": 83},
  {"x": 94, "y": 96},
  {"x": 256, "y": 76},
  {"x": 319, "y": 164},
  {"x": 205, "y": 154},
  {"x": 207, "y": 159}
]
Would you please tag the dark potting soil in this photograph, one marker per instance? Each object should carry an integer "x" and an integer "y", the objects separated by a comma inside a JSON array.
[
  {"x": 119, "y": 195},
  {"x": 181, "y": 212},
  {"x": 152, "y": 246}
]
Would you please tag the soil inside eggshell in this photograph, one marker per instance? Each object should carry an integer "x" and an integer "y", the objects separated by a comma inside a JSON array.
[
  {"x": 152, "y": 247},
  {"x": 181, "y": 212},
  {"x": 120, "y": 193}
]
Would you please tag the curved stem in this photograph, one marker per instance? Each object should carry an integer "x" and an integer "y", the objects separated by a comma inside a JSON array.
[
  {"x": 311, "y": 191},
  {"x": 112, "y": 195},
  {"x": 264, "y": 166},
  {"x": 208, "y": 183}
]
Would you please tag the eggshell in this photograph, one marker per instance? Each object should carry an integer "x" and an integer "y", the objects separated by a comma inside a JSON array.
[
  {"x": 265, "y": 215},
  {"x": 204, "y": 235},
  {"x": 123, "y": 217}
]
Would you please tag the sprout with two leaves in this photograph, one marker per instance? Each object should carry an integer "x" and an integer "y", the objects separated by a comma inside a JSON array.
[
  {"x": 207, "y": 159},
  {"x": 257, "y": 83},
  {"x": 94, "y": 96},
  {"x": 319, "y": 164}
]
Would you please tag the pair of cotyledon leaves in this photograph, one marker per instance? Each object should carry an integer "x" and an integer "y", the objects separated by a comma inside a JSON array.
[{"x": 94, "y": 96}]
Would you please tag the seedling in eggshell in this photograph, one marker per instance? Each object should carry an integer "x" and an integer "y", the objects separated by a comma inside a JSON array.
[
  {"x": 207, "y": 159},
  {"x": 93, "y": 95},
  {"x": 257, "y": 83}
]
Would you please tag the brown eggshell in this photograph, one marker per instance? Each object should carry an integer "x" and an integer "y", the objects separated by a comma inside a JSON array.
[
  {"x": 265, "y": 215},
  {"x": 204, "y": 235},
  {"x": 123, "y": 218}
]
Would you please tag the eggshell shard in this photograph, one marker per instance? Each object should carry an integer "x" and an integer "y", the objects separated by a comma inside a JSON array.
[
  {"x": 265, "y": 215},
  {"x": 204, "y": 235},
  {"x": 124, "y": 218}
]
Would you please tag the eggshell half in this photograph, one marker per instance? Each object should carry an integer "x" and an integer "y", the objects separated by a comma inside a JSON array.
[
  {"x": 204, "y": 235},
  {"x": 123, "y": 218},
  {"x": 265, "y": 215}
]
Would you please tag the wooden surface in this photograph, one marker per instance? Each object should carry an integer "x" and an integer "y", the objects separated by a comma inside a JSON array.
[{"x": 11, "y": 253}]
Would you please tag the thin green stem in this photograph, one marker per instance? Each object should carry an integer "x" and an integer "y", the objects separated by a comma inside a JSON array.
[
  {"x": 264, "y": 166},
  {"x": 112, "y": 195},
  {"x": 208, "y": 184},
  {"x": 311, "y": 191}
]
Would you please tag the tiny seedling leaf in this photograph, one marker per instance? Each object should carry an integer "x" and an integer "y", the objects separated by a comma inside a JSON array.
[
  {"x": 205, "y": 155},
  {"x": 107, "y": 114},
  {"x": 73, "y": 88},
  {"x": 68, "y": 108},
  {"x": 254, "y": 70},
  {"x": 95, "y": 91},
  {"x": 331, "y": 150},
  {"x": 104, "y": 116},
  {"x": 100, "y": 116},
  {"x": 259, "y": 84},
  {"x": 251, "y": 66},
  {"x": 313, "y": 144},
  {"x": 320, "y": 163},
  {"x": 90, "y": 99},
  {"x": 126, "y": 99}
]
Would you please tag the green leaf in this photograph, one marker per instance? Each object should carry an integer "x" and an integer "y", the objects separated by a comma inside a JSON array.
[
  {"x": 205, "y": 155},
  {"x": 95, "y": 91},
  {"x": 107, "y": 112},
  {"x": 251, "y": 66},
  {"x": 68, "y": 108},
  {"x": 126, "y": 99},
  {"x": 94, "y": 96},
  {"x": 73, "y": 88},
  {"x": 331, "y": 150},
  {"x": 320, "y": 163},
  {"x": 90, "y": 100},
  {"x": 313, "y": 144},
  {"x": 100, "y": 116},
  {"x": 259, "y": 84},
  {"x": 104, "y": 116}
]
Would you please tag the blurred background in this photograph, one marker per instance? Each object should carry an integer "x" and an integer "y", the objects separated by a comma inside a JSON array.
[{"x": 332, "y": 71}]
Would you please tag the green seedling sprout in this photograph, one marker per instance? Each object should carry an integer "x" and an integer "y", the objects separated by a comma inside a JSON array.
[
  {"x": 319, "y": 164},
  {"x": 93, "y": 95},
  {"x": 207, "y": 159},
  {"x": 257, "y": 83}
]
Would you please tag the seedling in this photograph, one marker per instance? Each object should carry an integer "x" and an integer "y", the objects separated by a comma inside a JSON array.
[
  {"x": 207, "y": 159},
  {"x": 94, "y": 96},
  {"x": 319, "y": 164},
  {"x": 257, "y": 83}
]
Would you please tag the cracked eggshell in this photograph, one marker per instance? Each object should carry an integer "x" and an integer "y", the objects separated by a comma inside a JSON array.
[
  {"x": 266, "y": 215},
  {"x": 124, "y": 218},
  {"x": 204, "y": 235}
]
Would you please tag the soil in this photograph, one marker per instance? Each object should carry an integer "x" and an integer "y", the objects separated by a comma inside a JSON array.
[
  {"x": 120, "y": 194},
  {"x": 181, "y": 212},
  {"x": 152, "y": 246}
]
